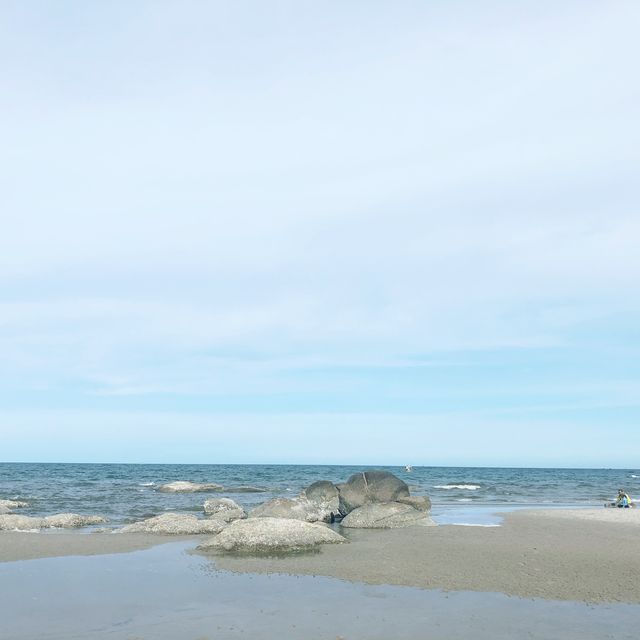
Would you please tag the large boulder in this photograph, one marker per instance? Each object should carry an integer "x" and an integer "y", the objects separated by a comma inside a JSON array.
[
  {"x": 182, "y": 486},
  {"x": 287, "y": 508},
  {"x": 300, "y": 508},
  {"x": 175, "y": 524},
  {"x": 271, "y": 535},
  {"x": 324, "y": 495},
  {"x": 388, "y": 515},
  {"x": 370, "y": 487},
  {"x": 13, "y": 522},
  {"x": 224, "y": 509}
]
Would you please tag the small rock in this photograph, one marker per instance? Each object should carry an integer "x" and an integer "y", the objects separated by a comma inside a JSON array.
[
  {"x": 224, "y": 509},
  {"x": 12, "y": 504},
  {"x": 71, "y": 521},
  {"x": 175, "y": 524},
  {"x": 13, "y": 522}
]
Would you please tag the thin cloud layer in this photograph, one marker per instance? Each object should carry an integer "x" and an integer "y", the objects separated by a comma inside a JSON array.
[{"x": 292, "y": 207}]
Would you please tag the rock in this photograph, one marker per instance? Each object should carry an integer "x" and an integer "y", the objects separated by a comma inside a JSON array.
[
  {"x": 322, "y": 492},
  {"x": 287, "y": 508},
  {"x": 370, "y": 487},
  {"x": 12, "y": 504},
  {"x": 13, "y": 522},
  {"x": 181, "y": 486},
  {"x": 324, "y": 497},
  {"x": 421, "y": 503},
  {"x": 175, "y": 524},
  {"x": 271, "y": 535},
  {"x": 244, "y": 489},
  {"x": 388, "y": 515},
  {"x": 300, "y": 508},
  {"x": 71, "y": 521},
  {"x": 224, "y": 509}
]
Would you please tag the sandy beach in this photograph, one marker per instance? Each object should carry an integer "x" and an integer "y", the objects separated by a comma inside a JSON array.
[
  {"x": 19, "y": 545},
  {"x": 580, "y": 555},
  {"x": 590, "y": 555}
]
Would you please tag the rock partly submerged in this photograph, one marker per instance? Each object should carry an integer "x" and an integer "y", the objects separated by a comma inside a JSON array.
[
  {"x": 371, "y": 487},
  {"x": 9, "y": 505},
  {"x": 387, "y": 515},
  {"x": 182, "y": 486},
  {"x": 318, "y": 503},
  {"x": 175, "y": 524},
  {"x": 14, "y": 522},
  {"x": 271, "y": 535},
  {"x": 224, "y": 509}
]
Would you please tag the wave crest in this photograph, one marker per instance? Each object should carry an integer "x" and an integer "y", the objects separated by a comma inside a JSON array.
[{"x": 465, "y": 487}]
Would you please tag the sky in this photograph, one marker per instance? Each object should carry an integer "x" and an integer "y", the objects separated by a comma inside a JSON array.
[{"x": 320, "y": 232}]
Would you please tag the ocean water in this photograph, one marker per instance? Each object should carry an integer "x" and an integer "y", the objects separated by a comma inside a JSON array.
[{"x": 125, "y": 493}]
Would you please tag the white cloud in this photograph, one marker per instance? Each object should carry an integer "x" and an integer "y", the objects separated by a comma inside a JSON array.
[{"x": 285, "y": 185}]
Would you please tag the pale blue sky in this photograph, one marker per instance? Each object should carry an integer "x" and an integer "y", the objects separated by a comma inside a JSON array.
[{"x": 365, "y": 232}]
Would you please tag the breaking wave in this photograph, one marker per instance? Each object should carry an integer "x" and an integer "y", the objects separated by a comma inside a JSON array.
[{"x": 465, "y": 487}]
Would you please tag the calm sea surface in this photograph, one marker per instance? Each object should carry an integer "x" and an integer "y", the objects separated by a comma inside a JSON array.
[{"x": 125, "y": 492}]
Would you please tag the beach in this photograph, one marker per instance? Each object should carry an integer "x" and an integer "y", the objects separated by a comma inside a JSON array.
[
  {"x": 478, "y": 564},
  {"x": 590, "y": 555}
]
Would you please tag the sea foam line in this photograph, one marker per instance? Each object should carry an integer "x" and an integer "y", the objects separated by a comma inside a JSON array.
[{"x": 466, "y": 487}]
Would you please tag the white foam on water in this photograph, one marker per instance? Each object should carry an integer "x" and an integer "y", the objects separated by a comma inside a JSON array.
[
  {"x": 634, "y": 476},
  {"x": 465, "y": 487},
  {"x": 147, "y": 484},
  {"x": 473, "y": 524},
  {"x": 464, "y": 500}
]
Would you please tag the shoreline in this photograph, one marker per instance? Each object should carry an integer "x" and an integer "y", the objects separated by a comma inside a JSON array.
[{"x": 579, "y": 555}]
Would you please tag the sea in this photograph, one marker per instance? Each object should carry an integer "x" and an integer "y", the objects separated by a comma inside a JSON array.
[{"x": 125, "y": 493}]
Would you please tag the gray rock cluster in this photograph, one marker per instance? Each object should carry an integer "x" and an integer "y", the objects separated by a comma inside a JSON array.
[
  {"x": 380, "y": 500},
  {"x": 353, "y": 502},
  {"x": 317, "y": 503},
  {"x": 371, "y": 500},
  {"x": 14, "y": 522}
]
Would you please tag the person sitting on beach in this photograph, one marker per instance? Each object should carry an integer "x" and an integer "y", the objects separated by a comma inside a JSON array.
[{"x": 623, "y": 501}]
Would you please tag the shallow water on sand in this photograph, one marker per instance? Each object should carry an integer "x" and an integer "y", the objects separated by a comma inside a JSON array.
[{"x": 166, "y": 593}]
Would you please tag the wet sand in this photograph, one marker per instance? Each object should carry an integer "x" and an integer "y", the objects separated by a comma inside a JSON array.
[
  {"x": 16, "y": 545},
  {"x": 587, "y": 555},
  {"x": 590, "y": 555},
  {"x": 164, "y": 593}
]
